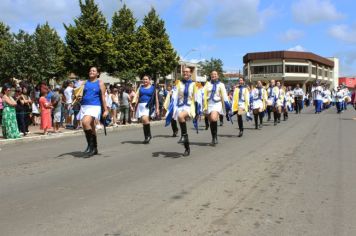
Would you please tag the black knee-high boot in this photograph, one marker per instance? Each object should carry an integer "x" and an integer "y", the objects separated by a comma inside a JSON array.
[
  {"x": 88, "y": 138},
  {"x": 186, "y": 145},
  {"x": 221, "y": 119},
  {"x": 94, "y": 150},
  {"x": 261, "y": 119},
  {"x": 183, "y": 130},
  {"x": 214, "y": 132},
  {"x": 269, "y": 113},
  {"x": 275, "y": 117},
  {"x": 279, "y": 117},
  {"x": 241, "y": 125},
  {"x": 174, "y": 127},
  {"x": 206, "y": 123},
  {"x": 147, "y": 133},
  {"x": 255, "y": 116}
]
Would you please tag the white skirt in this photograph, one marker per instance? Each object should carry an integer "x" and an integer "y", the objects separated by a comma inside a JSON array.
[
  {"x": 142, "y": 110},
  {"x": 89, "y": 110},
  {"x": 181, "y": 109},
  {"x": 215, "y": 106},
  {"x": 257, "y": 104}
]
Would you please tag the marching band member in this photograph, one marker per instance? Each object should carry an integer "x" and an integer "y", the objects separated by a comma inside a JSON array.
[
  {"x": 259, "y": 98},
  {"x": 215, "y": 99},
  {"x": 339, "y": 99},
  {"x": 146, "y": 99},
  {"x": 93, "y": 105},
  {"x": 326, "y": 97},
  {"x": 270, "y": 100},
  {"x": 241, "y": 103},
  {"x": 318, "y": 98},
  {"x": 182, "y": 105},
  {"x": 298, "y": 98},
  {"x": 288, "y": 102},
  {"x": 279, "y": 95},
  {"x": 174, "y": 125}
]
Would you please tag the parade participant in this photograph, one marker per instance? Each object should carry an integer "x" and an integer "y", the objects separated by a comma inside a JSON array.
[
  {"x": 326, "y": 97},
  {"x": 174, "y": 125},
  {"x": 298, "y": 98},
  {"x": 182, "y": 104},
  {"x": 147, "y": 105},
  {"x": 270, "y": 100},
  {"x": 347, "y": 96},
  {"x": 259, "y": 98},
  {"x": 279, "y": 95},
  {"x": 287, "y": 102},
  {"x": 241, "y": 103},
  {"x": 317, "y": 91},
  {"x": 93, "y": 105},
  {"x": 215, "y": 99},
  {"x": 339, "y": 99}
]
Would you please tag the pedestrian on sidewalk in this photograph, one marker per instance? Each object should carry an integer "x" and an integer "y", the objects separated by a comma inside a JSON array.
[
  {"x": 57, "y": 109},
  {"x": 93, "y": 105},
  {"x": 46, "y": 111},
  {"x": 9, "y": 124},
  {"x": 124, "y": 106}
]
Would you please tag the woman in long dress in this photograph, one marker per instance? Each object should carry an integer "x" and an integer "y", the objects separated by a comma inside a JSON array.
[
  {"x": 9, "y": 124},
  {"x": 46, "y": 108}
]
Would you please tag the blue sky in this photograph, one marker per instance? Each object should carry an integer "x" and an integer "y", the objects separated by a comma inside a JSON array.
[{"x": 224, "y": 29}]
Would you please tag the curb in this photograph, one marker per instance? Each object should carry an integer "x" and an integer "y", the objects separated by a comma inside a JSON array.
[{"x": 110, "y": 129}]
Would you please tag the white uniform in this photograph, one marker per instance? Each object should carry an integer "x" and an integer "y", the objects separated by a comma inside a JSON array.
[
  {"x": 257, "y": 95},
  {"x": 317, "y": 93},
  {"x": 215, "y": 103},
  {"x": 184, "y": 97},
  {"x": 326, "y": 96}
]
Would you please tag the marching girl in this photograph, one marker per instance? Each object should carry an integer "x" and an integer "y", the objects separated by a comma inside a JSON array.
[
  {"x": 259, "y": 98},
  {"x": 279, "y": 94},
  {"x": 147, "y": 105},
  {"x": 241, "y": 103},
  {"x": 215, "y": 99},
  {"x": 288, "y": 102},
  {"x": 182, "y": 106},
  {"x": 92, "y": 103}
]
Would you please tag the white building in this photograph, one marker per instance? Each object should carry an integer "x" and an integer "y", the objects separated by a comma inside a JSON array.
[{"x": 291, "y": 68}]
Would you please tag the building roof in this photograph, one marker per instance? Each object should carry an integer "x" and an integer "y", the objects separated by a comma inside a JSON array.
[{"x": 288, "y": 55}]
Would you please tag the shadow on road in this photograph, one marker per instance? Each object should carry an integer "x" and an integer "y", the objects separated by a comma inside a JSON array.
[
  {"x": 162, "y": 136},
  {"x": 200, "y": 144},
  {"x": 167, "y": 154},
  {"x": 132, "y": 142},
  {"x": 73, "y": 154}
]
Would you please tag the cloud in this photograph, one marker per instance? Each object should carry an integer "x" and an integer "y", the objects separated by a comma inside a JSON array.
[
  {"x": 347, "y": 62},
  {"x": 291, "y": 35},
  {"x": 315, "y": 11},
  {"x": 230, "y": 18},
  {"x": 195, "y": 13},
  {"x": 297, "y": 48},
  {"x": 141, "y": 8},
  {"x": 344, "y": 33},
  {"x": 241, "y": 18}
]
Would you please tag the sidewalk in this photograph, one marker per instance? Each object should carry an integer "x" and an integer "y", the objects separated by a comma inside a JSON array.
[{"x": 37, "y": 134}]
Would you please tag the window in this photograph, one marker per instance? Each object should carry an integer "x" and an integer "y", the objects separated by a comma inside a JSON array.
[
  {"x": 273, "y": 69},
  {"x": 314, "y": 70},
  {"x": 296, "y": 69}
]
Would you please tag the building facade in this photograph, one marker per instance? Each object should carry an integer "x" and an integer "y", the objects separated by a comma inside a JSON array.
[{"x": 291, "y": 68}]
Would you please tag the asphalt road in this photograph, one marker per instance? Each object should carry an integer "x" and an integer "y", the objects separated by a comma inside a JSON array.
[{"x": 297, "y": 178}]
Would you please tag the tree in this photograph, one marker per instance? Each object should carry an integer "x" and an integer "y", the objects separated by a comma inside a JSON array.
[
  {"x": 165, "y": 57},
  {"x": 123, "y": 30},
  {"x": 212, "y": 65},
  {"x": 25, "y": 57},
  {"x": 50, "y": 50},
  {"x": 6, "y": 53},
  {"x": 144, "y": 51},
  {"x": 89, "y": 42}
]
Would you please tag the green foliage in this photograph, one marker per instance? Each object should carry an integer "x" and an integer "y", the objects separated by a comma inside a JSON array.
[
  {"x": 212, "y": 65},
  {"x": 26, "y": 57},
  {"x": 50, "y": 53},
  {"x": 164, "y": 57},
  {"x": 144, "y": 56},
  {"x": 89, "y": 42},
  {"x": 128, "y": 76},
  {"x": 123, "y": 30},
  {"x": 6, "y": 53}
]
